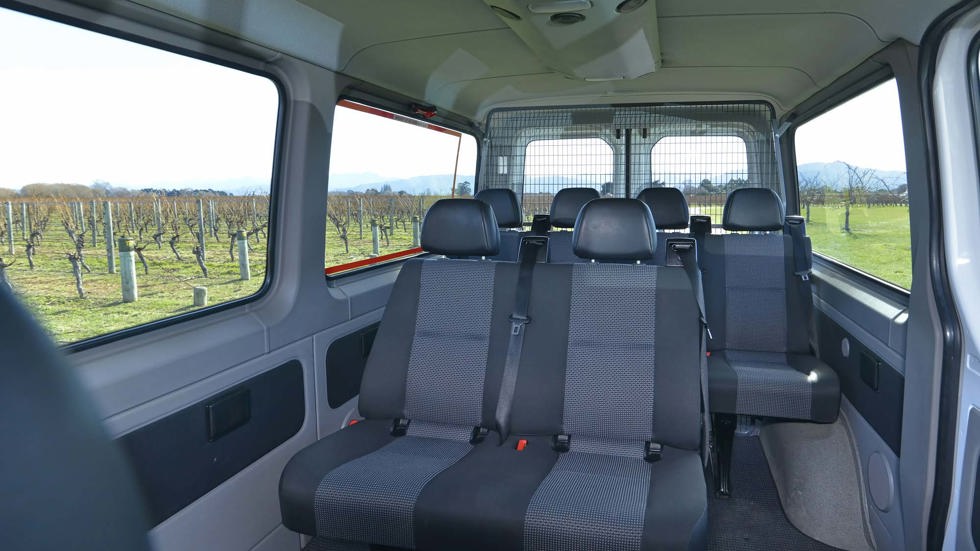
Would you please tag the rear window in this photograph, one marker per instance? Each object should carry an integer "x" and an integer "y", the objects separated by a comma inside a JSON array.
[{"x": 705, "y": 168}]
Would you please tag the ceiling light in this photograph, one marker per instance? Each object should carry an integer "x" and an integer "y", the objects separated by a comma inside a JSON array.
[
  {"x": 558, "y": 6},
  {"x": 567, "y": 18},
  {"x": 627, "y": 6},
  {"x": 505, "y": 13}
]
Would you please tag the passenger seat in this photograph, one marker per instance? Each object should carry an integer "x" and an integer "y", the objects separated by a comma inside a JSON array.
[
  {"x": 564, "y": 210},
  {"x": 760, "y": 360},
  {"x": 670, "y": 211},
  {"x": 506, "y": 208}
]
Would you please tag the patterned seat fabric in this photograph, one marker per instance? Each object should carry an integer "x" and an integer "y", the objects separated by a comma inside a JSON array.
[
  {"x": 610, "y": 358},
  {"x": 760, "y": 362}
]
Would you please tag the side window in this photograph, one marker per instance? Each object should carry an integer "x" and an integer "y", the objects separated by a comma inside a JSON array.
[
  {"x": 853, "y": 189},
  {"x": 551, "y": 165},
  {"x": 386, "y": 170},
  {"x": 138, "y": 180},
  {"x": 705, "y": 168}
]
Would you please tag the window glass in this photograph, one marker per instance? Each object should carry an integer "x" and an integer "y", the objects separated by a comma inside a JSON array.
[
  {"x": 704, "y": 168},
  {"x": 551, "y": 165},
  {"x": 127, "y": 174},
  {"x": 853, "y": 189},
  {"x": 386, "y": 170}
]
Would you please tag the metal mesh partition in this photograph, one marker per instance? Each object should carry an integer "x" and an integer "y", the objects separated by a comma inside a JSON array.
[{"x": 705, "y": 150}]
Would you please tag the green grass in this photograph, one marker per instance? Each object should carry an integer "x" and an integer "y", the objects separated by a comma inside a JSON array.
[
  {"x": 878, "y": 242},
  {"x": 49, "y": 289},
  {"x": 361, "y": 247}
]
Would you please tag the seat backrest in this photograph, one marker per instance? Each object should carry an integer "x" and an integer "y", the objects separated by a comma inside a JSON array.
[
  {"x": 64, "y": 484},
  {"x": 611, "y": 356},
  {"x": 507, "y": 210},
  {"x": 441, "y": 342},
  {"x": 565, "y": 208},
  {"x": 750, "y": 289},
  {"x": 670, "y": 211}
]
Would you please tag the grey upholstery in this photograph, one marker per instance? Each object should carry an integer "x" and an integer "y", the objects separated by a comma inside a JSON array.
[
  {"x": 596, "y": 364},
  {"x": 460, "y": 227},
  {"x": 668, "y": 205},
  {"x": 567, "y": 203},
  {"x": 507, "y": 209},
  {"x": 753, "y": 209},
  {"x": 615, "y": 230},
  {"x": 761, "y": 363},
  {"x": 64, "y": 484}
]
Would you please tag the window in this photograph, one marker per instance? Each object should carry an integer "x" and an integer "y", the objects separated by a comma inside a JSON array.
[
  {"x": 550, "y": 165},
  {"x": 386, "y": 170},
  {"x": 705, "y": 168},
  {"x": 127, "y": 173},
  {"x": 853, "y": 189}
]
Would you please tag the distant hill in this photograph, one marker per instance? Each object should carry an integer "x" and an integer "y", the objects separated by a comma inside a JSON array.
[
  {"x": 435, "y": 184},
  {"x": 834, "y": 175}
]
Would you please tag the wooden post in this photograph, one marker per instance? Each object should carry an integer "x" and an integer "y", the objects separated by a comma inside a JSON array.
[
  {"x": 200, "y": 228},
  {"x": 243, "y": 268},
  {"x": 421, "y": 212},
  {"x": 132, "y": 219},
  {"x": 94, "y": 211},
  {"x": 9, "y": 211},
  {"x": 127, "y": 268},
  {"x": 25, "y": 224},
  {"x": 360, "y": 218},
  {"x": 213, "y": 230},
  {"x": 375, "y": 248},
  {"x": 157, "y": 215},
  {"x": 415, "y": 231},
  {"x": 391, "y": 216},
  {"x": 110, "y": 243},
  {"x": 81, "y": 215},
  {"x": 200, "y": 296}
]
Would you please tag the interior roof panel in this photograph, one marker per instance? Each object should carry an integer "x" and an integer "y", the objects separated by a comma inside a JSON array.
[{"x": 465, "y": 59}]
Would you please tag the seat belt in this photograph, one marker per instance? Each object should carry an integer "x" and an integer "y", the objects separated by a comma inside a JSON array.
[
  {"x": 700, "y": 227},
  {"x": 687, "y": 251},
  {"x": 795, "y": 227},
  {"x": 530, "y": 245}
]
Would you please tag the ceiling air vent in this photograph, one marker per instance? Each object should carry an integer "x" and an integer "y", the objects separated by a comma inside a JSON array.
[
  {"x": 567, "y": 18},
  {"x": 627, "y": 6}
]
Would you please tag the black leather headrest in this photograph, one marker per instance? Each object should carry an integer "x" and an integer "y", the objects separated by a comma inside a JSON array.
[
  {"x": 505, "y": 207},
  {"x": 615, "y": 229},
  {"x": 668, "y": 205},
  {"x": 567, "y": 203},
  {"x": 753, "y": 209},
  {"x": 460, "y": 227}
]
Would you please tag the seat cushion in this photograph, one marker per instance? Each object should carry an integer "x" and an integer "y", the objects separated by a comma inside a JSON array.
[
  {"x": 768, "y": 384},
  {"x": 365, "y": 482},
  {"x": 594, "y": 501}
]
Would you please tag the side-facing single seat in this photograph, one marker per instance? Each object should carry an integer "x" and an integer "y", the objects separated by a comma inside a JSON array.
[
  {"x": 564, "y": 210},
  {"x": 507, "y": 209},
  {"x": 758, "y": 309}
]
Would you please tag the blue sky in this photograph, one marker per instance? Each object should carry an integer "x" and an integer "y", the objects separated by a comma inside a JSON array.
[{"x": 77, "y": 107}]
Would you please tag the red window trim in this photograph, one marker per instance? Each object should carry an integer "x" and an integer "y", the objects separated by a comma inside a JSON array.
[{"x": 333, "y": 270}]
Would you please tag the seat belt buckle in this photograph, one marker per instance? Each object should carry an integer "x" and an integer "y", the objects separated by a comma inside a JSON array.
[
  {"x": 561, "y": 443},
  {"x": 652, "y": 452},
  {"x": 400, "y": 426},
  {"x": 479, "y": 434},
  {"x": 707, "y": 329},
  {"x": 804, "y": 275},
  {"x": 517, "y": 322}
]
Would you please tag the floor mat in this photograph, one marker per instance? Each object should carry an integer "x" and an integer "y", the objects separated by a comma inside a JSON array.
[{"x": 753, "y": 518}]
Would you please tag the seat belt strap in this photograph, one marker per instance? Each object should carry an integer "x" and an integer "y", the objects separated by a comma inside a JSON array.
[
  {"x": 518, "y": 322},
  {"x": 687, "y": 251},
  {"x": 700, "y": 227},
  {"x": 795, "y": 227}
]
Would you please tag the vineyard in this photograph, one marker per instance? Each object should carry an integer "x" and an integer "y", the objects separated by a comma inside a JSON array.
[{"x": 66, "y": 258}]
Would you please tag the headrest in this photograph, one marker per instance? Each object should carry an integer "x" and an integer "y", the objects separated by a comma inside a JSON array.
[
  {"x": 460, "y": 227},
  {"x": 668, "y": 205},
  {"x": 615, "y": 229},
  {"x": 753, "y": 209},
  {"x": 567, "y": 203},
  {"x": 505, "y": 207}
]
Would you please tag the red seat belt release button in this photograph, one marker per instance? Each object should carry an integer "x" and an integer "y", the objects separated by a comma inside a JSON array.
[{"x": 521, "y": 444}]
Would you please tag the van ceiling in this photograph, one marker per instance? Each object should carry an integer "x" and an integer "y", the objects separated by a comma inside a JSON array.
[{"x": 463, "y": 57}]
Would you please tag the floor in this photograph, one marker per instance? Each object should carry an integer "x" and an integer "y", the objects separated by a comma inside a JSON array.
[{"x": 752, "y": 517}]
